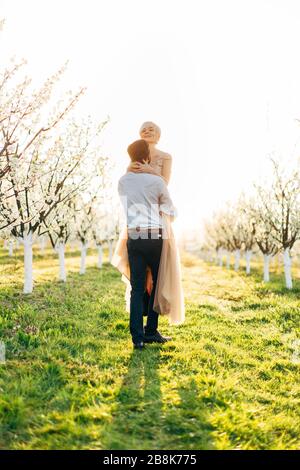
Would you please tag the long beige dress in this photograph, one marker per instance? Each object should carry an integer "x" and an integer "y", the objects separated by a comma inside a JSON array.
[{"x": 169, "y": 299}]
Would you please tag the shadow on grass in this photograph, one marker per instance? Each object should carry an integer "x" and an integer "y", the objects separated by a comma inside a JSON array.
[
  {"x": 72, "y": 276},
  {"x": 18, "y": 255},
  {"x": 145, "y": 419},
  {"x": 276, "y": 284},
  {"x": 138, "y": 412}
]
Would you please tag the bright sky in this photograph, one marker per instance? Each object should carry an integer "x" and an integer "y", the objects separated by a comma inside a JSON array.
[{"x": 221, "y": 79}]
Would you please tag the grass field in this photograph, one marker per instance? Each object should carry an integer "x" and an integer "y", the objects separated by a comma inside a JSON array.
[{"x": 229, "y": 379}]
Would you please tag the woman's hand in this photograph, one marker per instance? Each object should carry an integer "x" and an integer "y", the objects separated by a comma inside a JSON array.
[{"x": 138, "y": 167}]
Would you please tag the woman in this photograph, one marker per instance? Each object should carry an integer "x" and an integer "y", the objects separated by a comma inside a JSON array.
[
  {"x": 168, "y": 296},
  {"x": 161, "y": 162}
]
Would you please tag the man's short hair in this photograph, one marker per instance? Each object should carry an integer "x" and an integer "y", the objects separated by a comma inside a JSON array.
[{"x": 139, "y": 151}]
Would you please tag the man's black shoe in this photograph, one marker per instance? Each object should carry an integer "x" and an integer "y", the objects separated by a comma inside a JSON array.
[
  {"x": 156, "y": 338},
  {"x": 140, "y": 345}
]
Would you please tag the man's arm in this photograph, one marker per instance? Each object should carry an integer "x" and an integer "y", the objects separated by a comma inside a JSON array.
[
  {"x": 119, "y": 187},
  {"x": 122, "y": 195},
  {"x": 165, "y": 202}
]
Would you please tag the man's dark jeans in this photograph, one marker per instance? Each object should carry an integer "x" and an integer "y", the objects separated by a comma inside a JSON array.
[{"x": 142, "y": 253}]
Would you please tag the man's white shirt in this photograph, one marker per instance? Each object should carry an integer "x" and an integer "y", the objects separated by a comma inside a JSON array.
[{"x": 143, "y": 196}]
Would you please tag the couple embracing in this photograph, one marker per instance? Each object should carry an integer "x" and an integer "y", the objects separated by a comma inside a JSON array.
[{"x": 146, "y": 252}]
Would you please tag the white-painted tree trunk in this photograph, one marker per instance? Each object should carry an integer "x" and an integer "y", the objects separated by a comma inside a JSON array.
[
  {"x": 287, "y": 262},
  {"x": 237, "y": 257},
  {"x": 110, "y": 251},
  {"x": 10, "y": 248},
  {"x": 28, "y": 272},
  {"x": 227, "y": 259},
  {"x": 100, "y": 256},
  {"x": 83, "y": 248},
  {"x": 267, "y": 268},
  {"x": 248, "y": 255},
  {"x": 62, "y": 266}
]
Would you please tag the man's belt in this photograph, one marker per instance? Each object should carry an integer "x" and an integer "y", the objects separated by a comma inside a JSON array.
[{"x": 145, "y": 232}]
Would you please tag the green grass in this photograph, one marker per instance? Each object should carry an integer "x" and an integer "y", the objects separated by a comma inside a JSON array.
[{"x": 72, "y": 381}]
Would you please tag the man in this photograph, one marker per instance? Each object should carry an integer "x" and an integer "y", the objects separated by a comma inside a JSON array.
[{"x": 143, "y": 196}]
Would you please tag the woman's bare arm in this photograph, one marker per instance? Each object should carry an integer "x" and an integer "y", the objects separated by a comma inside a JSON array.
[
  {"x": 138, "y": 167},
  {"x": 166, "y": 169}
]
